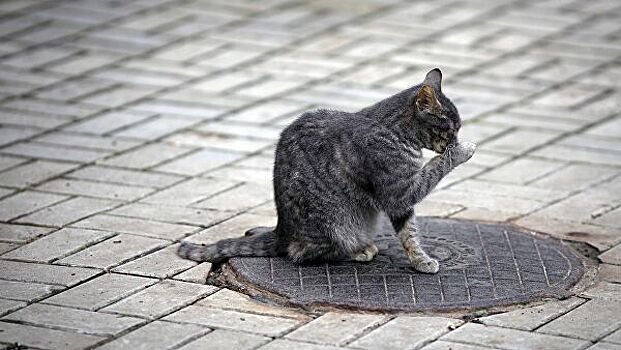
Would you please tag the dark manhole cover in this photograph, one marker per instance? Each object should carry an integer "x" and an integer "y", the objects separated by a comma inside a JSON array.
[{"x": 481, "y": 265}]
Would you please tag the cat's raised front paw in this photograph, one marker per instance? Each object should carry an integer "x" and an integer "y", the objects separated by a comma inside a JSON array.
[
  {"x": 427, "y": 265},
  {"x": 463, "y": 151}
]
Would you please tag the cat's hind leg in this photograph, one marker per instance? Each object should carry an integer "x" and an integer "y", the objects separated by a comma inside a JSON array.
[
  {"x": 407, "y": 230},
  {"x": 367, "y": 254}
]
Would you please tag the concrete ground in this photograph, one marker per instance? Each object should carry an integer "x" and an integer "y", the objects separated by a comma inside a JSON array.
[{"x": 129, "y": 125}]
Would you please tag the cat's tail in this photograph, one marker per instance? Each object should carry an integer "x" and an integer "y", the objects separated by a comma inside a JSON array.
[{"x": 259, "y": 244}]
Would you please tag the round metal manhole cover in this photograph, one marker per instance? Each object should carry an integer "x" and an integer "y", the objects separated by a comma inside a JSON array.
[{"x": 481, "y": 265}]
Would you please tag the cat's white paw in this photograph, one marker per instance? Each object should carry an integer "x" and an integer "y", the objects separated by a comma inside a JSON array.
[
  {"x": 463, "y": 151},
  {"x": 427, "y": 265}
]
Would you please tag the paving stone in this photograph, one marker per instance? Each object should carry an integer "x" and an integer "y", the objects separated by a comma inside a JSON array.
[
  {"x": 68, "y": 211},
  {"x": 119, "y": 96},
  {"x": 101, "y": 291},
  {"x": 73, "y": 319},
  {"x": 416, "y": 331},
  {"x": 614, "y": 337},
  {"x": 172, "y": 214},
  {"x": 113, "y": 251},
  {"x": 281, "y": 344},
  {"x": 33, "y": 173},
  {"x": 222, "y": 338},
  {"x": 228, "y": 319},
  {"x": 103, "y": 143},
  {"x": 197, "y": 274},
  {"x": 21, "y": 233},
  {"x": 161, "y": 264},
  {"x": 58, "y": 244},
  {"x": 25, "y": 291},
  {"x": 45, "y": 338},
  {"x": 9, "y": 162},
  {"x": 228, "y": 144},
  {"x": 228, "y": 299},
  {"x": 505, "y": 338},
  {"x": 26, "y": 202},
  {"x": 574, "y": 176},
  {"x": 44, "y": 151},
  {"x": 139, "y": 227},
  {"x": 187, "y": 110},
  {"x": 266, "y": 111},
  {"x": 124, "y": 176},
  {"x": 610, "y": 273},
  {"x": 7, "y": 306},
  {"x": 190, "y": 191},
  {"x": 146, "y": 156},
  {"x": 522, "y": 170},
  {"x": 155, "y": 128},
  {"x": 95, "y": 189},
  {"x": 199, "y": 162},
  {"x": 530, "y": 318},
  {"x": 234, "y": 227},
  {"x": 45, "y": 274},
  {"x": 157, "y": 334},
  {"x": 160, "y": 299},
  {"x": 604, "y": 290},
  {"x": 237, "y": 199},
  {"x": 108, "y": 122},
  {"x": 336, "y": 328},
  {"x": 513, "y": 142},
  {"x": 612, "y": 256},
  {"x": 591, "y": 320}
]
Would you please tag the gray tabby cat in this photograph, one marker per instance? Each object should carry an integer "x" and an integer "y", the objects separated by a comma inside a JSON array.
[{"x": 336, "y": 171}]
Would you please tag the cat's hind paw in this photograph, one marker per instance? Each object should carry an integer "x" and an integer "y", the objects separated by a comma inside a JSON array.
[{"x": 427, "y": 265}]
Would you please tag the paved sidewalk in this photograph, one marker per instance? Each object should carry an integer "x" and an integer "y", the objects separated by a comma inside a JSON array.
[{"x": 129, "y": 125}]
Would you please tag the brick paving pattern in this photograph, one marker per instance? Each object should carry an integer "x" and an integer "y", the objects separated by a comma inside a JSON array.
[{"x": 127, "y": 126}]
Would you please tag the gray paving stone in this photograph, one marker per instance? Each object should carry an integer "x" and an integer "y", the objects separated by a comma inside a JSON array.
[
  {"x": 73, "y": 319},
  {"x": 234, "y": 227},
  {"x": 146, "y": 156},
  {"x": 189, "y": 192},
  {"x": 575, "y": 176},
  {"x": 591, "y": 321},
  {"x": 101, "y": 291},
  {"x": 415, "y": 332},
  {"x": 25, "y": 291},
  {"x": 45, "y": 338},
  {"x": 504, "y": 338},
  {"x": 614, "y": 337},
  {"x": 335, "y": 328},
  {"x": 68, "y": 211},
  {"x": 119, "y": 96},
  {"x": 234, "y": 320},
  {"x": 103, "y": 143},
  {"x": 108, "y": 122},
  {"x": 155, "y": 128},
  {"x": 187, "y": 110},
  {"x": 21, "y": 233},
  {"x": 45, "y": 274},
  {"x": 238, "y": 199},
  {"x": 57, "y": 244},
  {"x": 172, "y": 214},
  {"x": 113, "y": 251},
  {"x": 522, "y": 170},
  {"x": 224, "y": 145},
  {"x": 230, "y": 300},
  {"x": 33, "y": 173},
  {"x": 197, "y": 274},
  {"x": 199, "y": 162},
  {"x": 604, "y": 290},
  {"x": 7, "y": 306},
  {"x": 610, "y": 273},
  {"x": 160, "y": 299},
  {"x": 157, "y": 334},
  {"x": 139, "y": 227},
  {"x": 222, "y": 338},
  {"x": 266, "y": 111},
  {"x": 95, "y": 189},
  {"x": 445, "y": 345},
  {"x": 124, "y": 176},
  {"x": 282, "y": 344},
  {"x": 161, "y": 264},
  {"x": 530, "y": 318},
  {"x": 26, "y": 202},
  {"x": 44, "y": 151},
  {"x": 7, "y": 162}
]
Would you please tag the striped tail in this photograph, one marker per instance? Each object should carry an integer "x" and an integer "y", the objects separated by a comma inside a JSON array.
[{"x": 263, "y": 244}]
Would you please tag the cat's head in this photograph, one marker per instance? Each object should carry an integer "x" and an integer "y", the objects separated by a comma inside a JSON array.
[{"x": 437, "y": 119}]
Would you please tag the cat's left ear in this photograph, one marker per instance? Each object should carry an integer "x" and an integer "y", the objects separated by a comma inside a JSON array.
[{"x": 434, "y": 78}]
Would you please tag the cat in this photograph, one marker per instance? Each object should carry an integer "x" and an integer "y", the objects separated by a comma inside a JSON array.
[{"x": 335, "y": 172}]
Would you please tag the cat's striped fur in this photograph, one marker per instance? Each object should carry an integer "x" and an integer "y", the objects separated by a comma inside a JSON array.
[{"x": 336, "y": 171}]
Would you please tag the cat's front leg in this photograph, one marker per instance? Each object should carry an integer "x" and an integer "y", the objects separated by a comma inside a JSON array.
[{"x": 407, "y": 230}]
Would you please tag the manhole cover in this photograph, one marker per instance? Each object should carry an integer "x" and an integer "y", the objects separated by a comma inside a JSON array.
[{"x": 481, "y": 265}]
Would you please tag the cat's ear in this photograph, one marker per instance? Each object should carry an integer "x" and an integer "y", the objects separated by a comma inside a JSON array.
[
  {"x": 434, "y": 78},
  {"x": 426, "y": 100}
]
